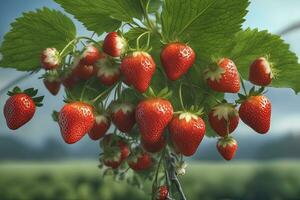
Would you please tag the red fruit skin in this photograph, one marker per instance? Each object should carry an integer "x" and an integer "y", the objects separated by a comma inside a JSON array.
[
  {"x": 123, "y": 121},
  {"x": 144, "y": 162},
  {"x": 186, "y": 136},
  {"x": 227, "y": 152},
  {"x": 229, "y": 81},
  {"x": 256, "y": 113},
  {"x": 112, "y": 44},
  {"x": 70, "y": 81},
  {"x": 153, "y": 147},
  {"x": 153, "y": 116},
  {"x": 220, "y": 126},
  {"x": 138, "y": 69},
  {"x": 163, "y": 193},
  {"x": 75, "y": 120},
  {"x": 260, "y": 72},
  {"x": 84, "y": 72},
  {"x": 52, "y": 86},
  {"x": 90, "y": 55},
  {"x": 177, "y": 59},
  {"x": 18, "y": 110},
  {"x": 100, "y": 128},
  {"x": 112, "y": 164}
]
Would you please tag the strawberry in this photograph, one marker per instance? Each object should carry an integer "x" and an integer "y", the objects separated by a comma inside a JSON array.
[
  {"x": 102, "y": 124},
  {"x": 115, "y": 151},
  {"x": 90, "y": 55},
  {"x": 162, "y": 193},
  {"x": 255, "y": 111},
  {"x": 69, "y": 79},
  {"x": 176, "y": 59},
  {"x": 139, "y": 161},
  {"x": 138, "y": 69},
  {"x": 52, "y": 81},
  {"x": 52, "y": 86},
  {"x": 20, "y": 107},
  {"x": 223, "y": 116},
  {"x": 260, "y": 72},
  {"x": 122, "y": 115},
  {"x": 75, "y": 120},
  {"x": 223, "y": 77},
  {"x": 152, "y": 116},
  {"x": 227, "y": 147},
  {"x": 187, "y": 131},
  {"x": 114, "y": 44},
  {"x": 154, "y": 147},
  {"x": 50, "y": 59},
  {"x": 84, "y": 72},
  {"x": 108, "y": 72}
]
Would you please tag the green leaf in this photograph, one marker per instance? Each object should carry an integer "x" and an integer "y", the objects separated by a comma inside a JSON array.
[
  {"x": 89, "y": 13},
  {"x": 103, "y": 15},
  {"x": 251, "y": 44},
  {"x": 32, "y": 33},
  {"x": 208, "y": 25}
]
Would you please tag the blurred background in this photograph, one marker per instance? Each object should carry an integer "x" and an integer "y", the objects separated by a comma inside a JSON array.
[{"x": 36, "y": 164}]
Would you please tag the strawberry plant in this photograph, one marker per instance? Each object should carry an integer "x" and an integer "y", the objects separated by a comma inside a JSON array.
[{"x": 150, "y": 81}]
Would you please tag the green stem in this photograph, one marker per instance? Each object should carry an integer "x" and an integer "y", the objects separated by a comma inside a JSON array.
[
  {"x": 67, "y": 46},
  {"x": 146, "y": 14},
  {"x": 154, "y": 185},
  {"x": 138, "y": 39},
  {"x": 102, "y": 94},
  {"x": 243, "y": 86},
  {"x": 180, "y": 97}
]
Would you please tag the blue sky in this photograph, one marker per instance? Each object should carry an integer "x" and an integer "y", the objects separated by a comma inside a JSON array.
[{"x": 273, "y": 15}]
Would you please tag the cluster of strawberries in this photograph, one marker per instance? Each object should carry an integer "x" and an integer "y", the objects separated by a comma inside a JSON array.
[{"x": 154, "y": 115}]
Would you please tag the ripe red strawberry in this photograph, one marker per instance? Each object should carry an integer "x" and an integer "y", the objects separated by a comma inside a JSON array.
[
  {"x": 223, "y": 116},
  {"x": 53, "y": 86},
  {"x": 108, "y": 73},
  {"x": 223, "y": 77},
  {"x": 187, "y": 131},
  {"x": 102, "y": 124},
  {"x": 84, "y": 72},
  {"x": 138, "y": 69},
  {"x": 176, "y": 59},
  {"x": 50, "y": 59},
  {"x": 139, "y": 161},
  {"x": 154, "y": 147},
  {"x": 122, "y": 115},
  {"x": 227, "y": 147},
  {"x": 162, "y": 193},
  {"x": 153, "y": 116},
  {"x": 115, "y": 151},
  {"x": 20, "y": 107},
  {"x": 255, "y": 111},
  {"x": 75, "y": 120},
  {"x": 90, "y": 55},
  {"x": 69, "y": 79},
  {"x": 114, "y": 45},
  {"x": 260, "y": 72}
]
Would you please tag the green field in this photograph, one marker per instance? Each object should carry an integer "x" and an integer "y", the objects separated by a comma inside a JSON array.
[{"x": 82, "y": 180}]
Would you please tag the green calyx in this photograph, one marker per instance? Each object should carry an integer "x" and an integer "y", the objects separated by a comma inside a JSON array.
[
  {"x": 253, "y": 92},
  {"x": 30, "y": 92},
  {"x": 163, "y": 94}
]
